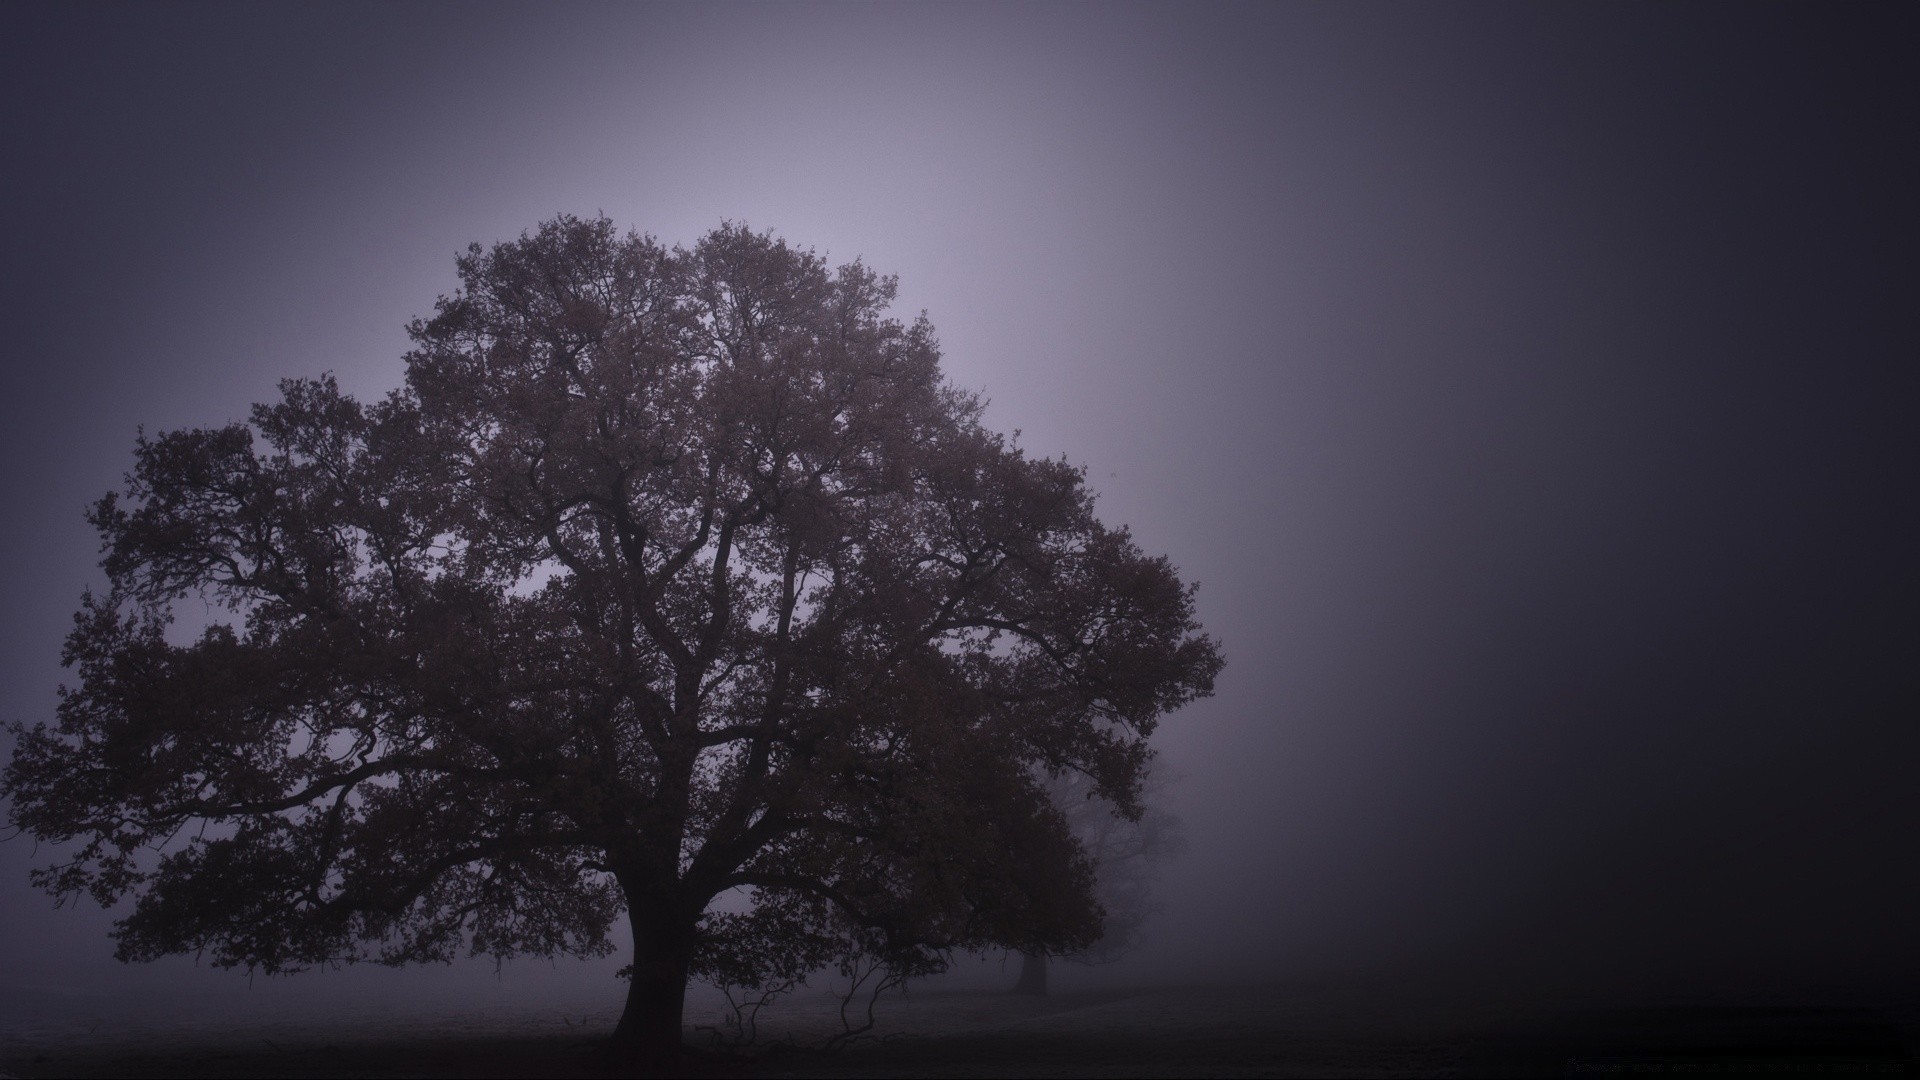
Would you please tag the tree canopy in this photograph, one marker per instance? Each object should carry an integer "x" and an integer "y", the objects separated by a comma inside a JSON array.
[
  {"x": 1126, "y": 852},
  {"x": 667, "y": 574}
]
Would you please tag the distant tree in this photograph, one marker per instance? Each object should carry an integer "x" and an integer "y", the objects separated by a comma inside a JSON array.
[
  {"x": 668, "y": 574},
  {"x": 1126, "y": 853}
]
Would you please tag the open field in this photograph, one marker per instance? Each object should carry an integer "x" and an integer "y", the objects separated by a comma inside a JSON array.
[{"x": 1164, "y": 1031}]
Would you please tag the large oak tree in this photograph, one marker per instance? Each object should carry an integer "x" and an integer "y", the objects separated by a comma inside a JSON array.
[{"x": 668, "y": 574}]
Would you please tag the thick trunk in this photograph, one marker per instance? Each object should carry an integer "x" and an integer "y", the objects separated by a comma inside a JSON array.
[
  {"x": 1033, "y": 974},
  {"x": 649, "y": 1036}
]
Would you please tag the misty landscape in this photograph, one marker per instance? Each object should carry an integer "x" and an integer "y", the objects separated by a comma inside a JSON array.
[{"x": 830, "y": 539}]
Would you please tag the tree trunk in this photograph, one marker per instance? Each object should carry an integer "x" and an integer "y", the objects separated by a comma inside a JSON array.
[
  {"x": 649, "y": 1036},
  {"x": 1033, "y": 975}
]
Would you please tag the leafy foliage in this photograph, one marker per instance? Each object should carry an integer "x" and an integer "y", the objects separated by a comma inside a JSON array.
[
  {"x": 1126, "y": 854},
  {"x": 667, "y": 574}
]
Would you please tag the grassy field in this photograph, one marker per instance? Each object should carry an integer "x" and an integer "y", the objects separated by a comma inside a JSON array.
[{"x": 1163, "y": 1031}]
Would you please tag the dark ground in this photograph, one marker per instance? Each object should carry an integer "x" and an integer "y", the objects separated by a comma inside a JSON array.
[{"x": 1213, "y": 1031}]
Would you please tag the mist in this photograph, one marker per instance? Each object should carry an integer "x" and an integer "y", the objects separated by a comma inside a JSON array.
[{"x": 1527, "y": 387}]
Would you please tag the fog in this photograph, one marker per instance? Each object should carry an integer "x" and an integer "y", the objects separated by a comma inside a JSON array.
[{"x": 1527, "y": 387}]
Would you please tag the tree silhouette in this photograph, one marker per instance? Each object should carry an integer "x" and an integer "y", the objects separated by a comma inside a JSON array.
[
  {"x": 668, "y": 574},
  {"x": 1126, "y": 853}
]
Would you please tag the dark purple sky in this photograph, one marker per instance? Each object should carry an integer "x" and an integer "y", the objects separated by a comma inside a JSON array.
[{"x": 1526, "y": 385}]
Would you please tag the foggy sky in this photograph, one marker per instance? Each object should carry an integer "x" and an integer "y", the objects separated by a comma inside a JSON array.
[{"x": 1526, "y": 386}]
